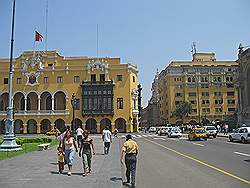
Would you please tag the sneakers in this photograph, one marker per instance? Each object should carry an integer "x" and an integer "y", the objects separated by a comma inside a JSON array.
[
  {"x": 133, "y": 185},
  {"x": 69, "y": 173}
]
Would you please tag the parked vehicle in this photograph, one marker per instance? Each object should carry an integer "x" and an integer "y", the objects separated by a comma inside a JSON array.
[
  {"x": 241, "y": 134},
  {"x": 211, "y": 131},
  {"x": 163, "y": 131},
  {"x": 152, "y": 129},
  {"x": 174, "y": 132},
  {"x": 197, "y": 133}
]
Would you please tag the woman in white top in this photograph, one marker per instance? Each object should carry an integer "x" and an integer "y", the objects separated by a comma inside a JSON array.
[{"x": 69, "y": 147}]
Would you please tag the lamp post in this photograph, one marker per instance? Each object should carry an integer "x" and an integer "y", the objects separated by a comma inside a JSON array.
[
  {"x": 9, "y": 142},
  {"x": 73, "y": 103},
  {"x": 198, "y": 101}
]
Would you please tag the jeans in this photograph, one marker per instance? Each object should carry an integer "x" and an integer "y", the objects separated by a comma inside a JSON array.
[
  {"x": 69, "y": 156},
  {"x": 86, "y": 160},
  {"x": 130, "y": 161}
]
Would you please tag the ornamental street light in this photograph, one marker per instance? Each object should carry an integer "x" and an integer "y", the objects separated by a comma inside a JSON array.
[
  {"x": 9, "y": 142},
  {"x": 73, "y": 103}
]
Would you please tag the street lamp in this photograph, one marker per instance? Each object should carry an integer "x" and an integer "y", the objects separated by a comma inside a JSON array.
[
  {"x": 73, "y": 103},
  {"x": 9, "y": 142}
]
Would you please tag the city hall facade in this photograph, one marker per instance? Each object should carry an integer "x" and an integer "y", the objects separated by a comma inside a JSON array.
[{"x": 44, "y": 84}]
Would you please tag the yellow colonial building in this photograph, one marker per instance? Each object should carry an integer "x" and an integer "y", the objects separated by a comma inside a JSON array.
[
  {"x": 209, "y": 85},
  {"x": 106, "y": 93}
]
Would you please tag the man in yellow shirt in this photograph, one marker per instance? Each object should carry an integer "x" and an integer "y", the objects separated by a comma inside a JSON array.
[{"x": 130, "y": 150}]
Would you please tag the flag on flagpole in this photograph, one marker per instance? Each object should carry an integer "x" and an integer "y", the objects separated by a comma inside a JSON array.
[{"x": 38, "y": 37}]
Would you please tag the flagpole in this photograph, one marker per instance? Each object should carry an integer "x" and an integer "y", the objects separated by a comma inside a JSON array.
[
  {"x": 97, "y": 42},
  {"x": 34, "y": 41},
  {"x": 46, "y": 25}
]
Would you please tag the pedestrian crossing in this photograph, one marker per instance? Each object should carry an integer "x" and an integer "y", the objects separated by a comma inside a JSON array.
[{"x": 154, "y": 136}]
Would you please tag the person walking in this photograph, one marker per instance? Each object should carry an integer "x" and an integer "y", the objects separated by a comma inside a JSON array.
[
  {"x": 69, "y": 147},
  {"x": 60, "y": 155},
  {"x": 226, "y": 129},
  {"x": 107, "y": 139},
  {"x": 79, "y": 135},
  {"x": 130, "y": 151},
  {"x": 218, "y": 128},
  {"x": 85, "y": 152}
]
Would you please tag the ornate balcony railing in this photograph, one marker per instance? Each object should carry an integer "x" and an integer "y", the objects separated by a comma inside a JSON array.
[{"x": 36, "y": 112}]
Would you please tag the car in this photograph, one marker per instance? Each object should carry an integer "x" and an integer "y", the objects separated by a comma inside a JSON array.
[
  {"x": 211, "y": 131},
  {"x": 53, "y": 132},
  {"x": 152, "y": 129},
  {"x": 197, "y": 133},
  {"x": 174, "y": 132},
  {"x": 163, "y": 131},
  {"x": 241, "y": 134}
]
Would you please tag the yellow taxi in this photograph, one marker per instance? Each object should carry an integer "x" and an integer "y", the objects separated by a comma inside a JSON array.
[
  {"x": 53, "y": 132},
  {"x": 197, "y": 133}
]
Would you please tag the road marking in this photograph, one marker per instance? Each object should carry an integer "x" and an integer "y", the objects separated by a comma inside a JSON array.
[
  {"x": 145, "y": 135},
  {"x": 198, "y": 144},
  {"x": 139, "y": 136},
  {"x": 233, "y": 143},
  {"x": 182, "y": 138},
  {"x": 201, "y": 162},
  {"x": 134, "y": 136},
  {"x": 244, "y": 154},
  {"x": 150, "y": 135},
  {"x": 159, "y": 138}
]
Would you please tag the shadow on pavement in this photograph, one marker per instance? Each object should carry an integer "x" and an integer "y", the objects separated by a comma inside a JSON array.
[
  {"x": 65, "y": 173},
  {"x": 53, "y": 163},
  {"x": 99, "y": 154},
  {"x": 115, "y": 179}
]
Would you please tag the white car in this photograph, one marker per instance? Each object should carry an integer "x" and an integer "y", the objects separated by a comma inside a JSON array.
[
  {"x": 211, "y": 131},
  {"x": 241, "y": 134},
  {"x": 174, "y": 132},
  {"x": 163, "y": 131},
  {"x": 152, "y": 129}
]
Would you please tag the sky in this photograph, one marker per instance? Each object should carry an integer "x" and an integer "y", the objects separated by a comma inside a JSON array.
[{"x": 148, "y": 33}]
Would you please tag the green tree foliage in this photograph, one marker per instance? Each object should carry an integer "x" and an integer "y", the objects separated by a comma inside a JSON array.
[{"x": 183, "y": 109}]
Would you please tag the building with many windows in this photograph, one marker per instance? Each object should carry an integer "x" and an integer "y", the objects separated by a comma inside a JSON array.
[
  {"x": 150, "y": 114},
  {"x": 106, "y": 93},
  {"x": 244, "y": 87},
  {"x": 209, "y": 85}
]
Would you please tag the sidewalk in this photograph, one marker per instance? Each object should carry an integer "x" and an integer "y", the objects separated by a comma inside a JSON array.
[{"x": 39, "y": 169}]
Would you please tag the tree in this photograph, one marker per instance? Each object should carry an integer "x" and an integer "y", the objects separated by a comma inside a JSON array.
[{"x": 183, "y": 109}]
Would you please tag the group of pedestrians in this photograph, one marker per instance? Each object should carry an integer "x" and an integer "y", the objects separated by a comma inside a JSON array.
[{"x": 68, "y": 148}]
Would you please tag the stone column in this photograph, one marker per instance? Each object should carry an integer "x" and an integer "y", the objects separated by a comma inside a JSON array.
[
  {"x": 98, "y": 127},
  {"x": 25, "y": 128},
  {"x": 84, "y": 125},
  {"x": 112, "y": 127},
  {"x": 52, "y": 125},
  {"x": 38, "y": 128},
  {"x": 25, "y": 103},
  {"x": 39, "y": 103},
  {"x": 53, "y": 103}
]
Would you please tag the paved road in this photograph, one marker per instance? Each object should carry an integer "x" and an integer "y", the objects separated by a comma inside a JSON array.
[{"x": 172, "y": 162}]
